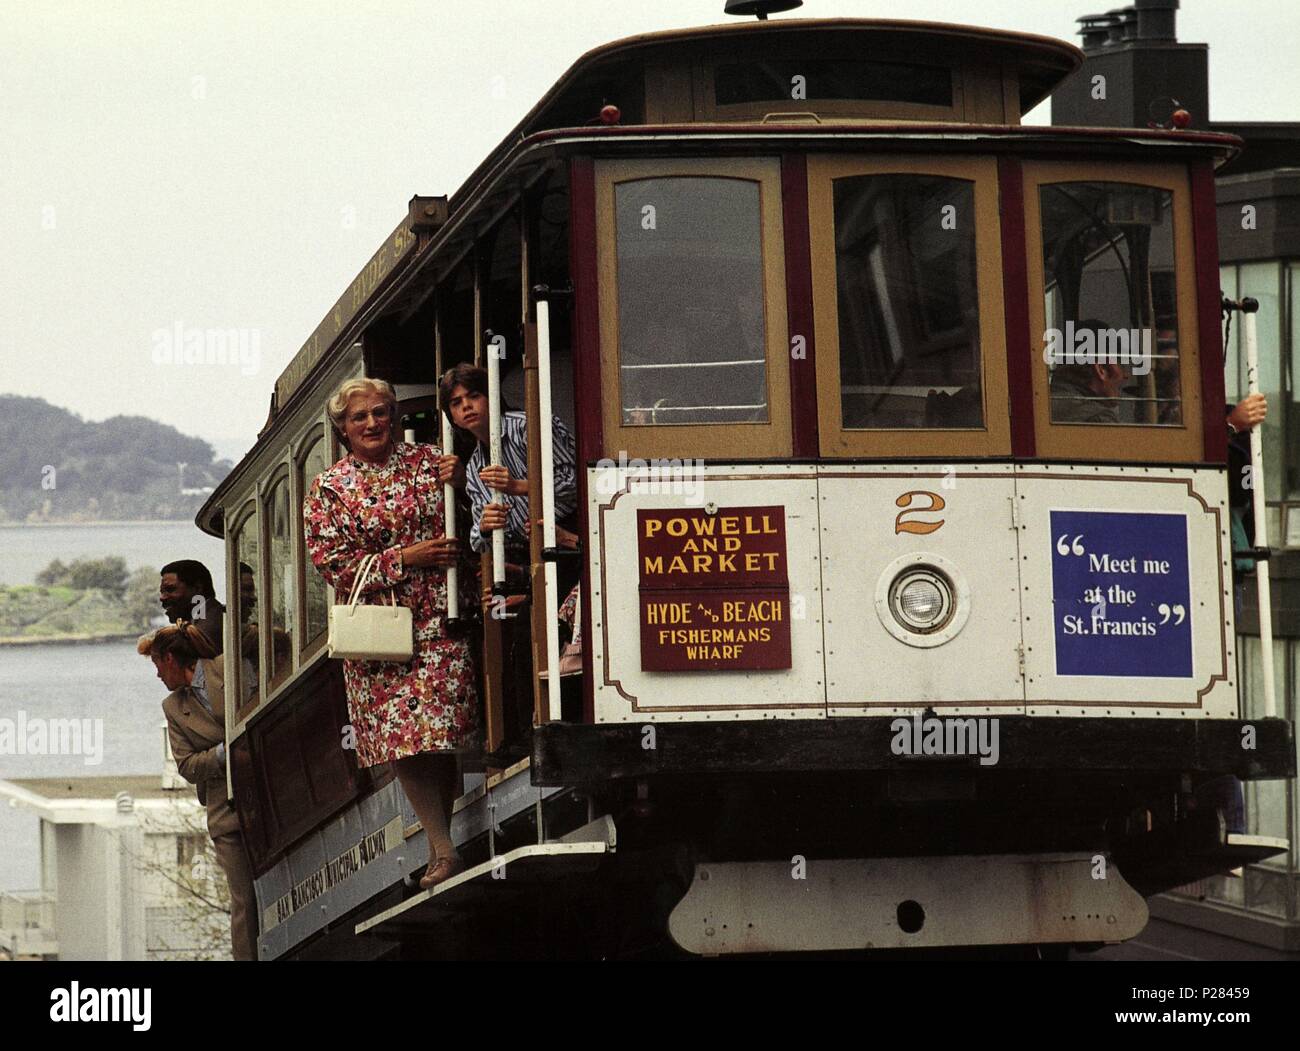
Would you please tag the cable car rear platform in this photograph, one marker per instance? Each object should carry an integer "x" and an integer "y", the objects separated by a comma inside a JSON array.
[
  {"x": 572, "y": 754},
  {"x": 701, "y": 823}
]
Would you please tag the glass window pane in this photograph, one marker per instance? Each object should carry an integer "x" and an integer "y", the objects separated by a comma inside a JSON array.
[
  {"x": 691, "y": 332},
  {"x": 908, "y": 303},
  {"x": 280, "y": 525},
  {"x": 316, "y": 594},
  {"x": 1111, "y": 304},
  {"x": 776, "y": 80},
  {"x": 1261, "y": 281},
  {"x": 246, "y": 605}
]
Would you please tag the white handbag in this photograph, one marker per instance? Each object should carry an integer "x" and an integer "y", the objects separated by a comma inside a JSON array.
[{"x": 370, "y": 633}]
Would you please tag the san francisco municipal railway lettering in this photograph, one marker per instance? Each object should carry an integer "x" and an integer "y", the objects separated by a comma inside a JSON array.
[
  {"x": 334, "y": 872},
  {"x": 714, "y": 590}
]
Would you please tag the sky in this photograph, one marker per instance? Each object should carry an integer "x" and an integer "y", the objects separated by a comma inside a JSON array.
[{"x": 231, "y": 166}]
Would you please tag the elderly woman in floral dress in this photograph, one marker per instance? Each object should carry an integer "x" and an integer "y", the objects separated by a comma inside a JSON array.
[{"x": 385, "y": 498}]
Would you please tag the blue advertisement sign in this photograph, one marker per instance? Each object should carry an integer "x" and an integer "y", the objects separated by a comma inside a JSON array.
[{"x": 1121, "y": 594}]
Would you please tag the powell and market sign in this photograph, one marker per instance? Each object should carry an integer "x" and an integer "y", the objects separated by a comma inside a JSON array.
[{"x": 714, "y": 592}]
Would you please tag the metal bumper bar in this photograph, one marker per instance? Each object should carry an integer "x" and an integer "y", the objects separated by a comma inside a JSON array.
[{"x": 575, "y": 754}]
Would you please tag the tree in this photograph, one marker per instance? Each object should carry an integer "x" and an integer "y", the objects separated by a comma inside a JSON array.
[
  {"x": 53, "y": 575},
  {"x": 107, "y": 574},
  {"x": 182, "y": 882},
  {"x": 142, "y": 597}
]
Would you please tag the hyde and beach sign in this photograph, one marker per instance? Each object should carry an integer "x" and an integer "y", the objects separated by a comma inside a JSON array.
[
  {"x": 1121, "y": 594},
  {"x": 714, "y": 594}
]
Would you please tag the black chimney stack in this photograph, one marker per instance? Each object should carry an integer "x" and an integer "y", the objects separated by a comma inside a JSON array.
[
  {"x": 1156, "y": 19},
  {"x": 1133, "y": 67}
]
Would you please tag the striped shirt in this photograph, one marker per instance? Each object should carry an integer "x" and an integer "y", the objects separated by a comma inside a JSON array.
[{"x": 514, "y": 457}]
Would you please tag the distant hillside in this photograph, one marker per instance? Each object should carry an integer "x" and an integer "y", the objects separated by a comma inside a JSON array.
[{"x": 56, "y": 467}]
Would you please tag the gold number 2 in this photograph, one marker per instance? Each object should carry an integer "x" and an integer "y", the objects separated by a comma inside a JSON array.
[{"x": 905, "y": 501}]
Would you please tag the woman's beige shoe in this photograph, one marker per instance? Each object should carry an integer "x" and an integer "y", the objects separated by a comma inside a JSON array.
[{"x": 442, "y": 869}]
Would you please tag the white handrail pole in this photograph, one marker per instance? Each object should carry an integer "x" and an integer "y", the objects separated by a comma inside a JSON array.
[
  {"x": 1261, "y": 519},
  {"x": 496, "y": 351},
  {"x": 449, "y": 517},
  {"x": 548, "y": 507}
]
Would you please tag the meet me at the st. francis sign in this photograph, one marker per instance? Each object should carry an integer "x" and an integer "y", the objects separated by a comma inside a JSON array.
[{"x": 715, "y": 595}]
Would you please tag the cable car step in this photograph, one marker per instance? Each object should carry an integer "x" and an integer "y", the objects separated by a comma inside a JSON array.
[{"x": 524, "y": 867}]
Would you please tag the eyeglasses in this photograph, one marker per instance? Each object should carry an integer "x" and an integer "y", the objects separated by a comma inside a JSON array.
[{"x": 380, "y": 415}]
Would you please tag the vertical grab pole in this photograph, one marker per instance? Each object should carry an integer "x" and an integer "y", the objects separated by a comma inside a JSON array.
[
  {"x": 449, "y": 516},
  {"x": 548, "y": 505},
  {"x": 496, "y": 351},
  {"x": 1249, "y": 307}
]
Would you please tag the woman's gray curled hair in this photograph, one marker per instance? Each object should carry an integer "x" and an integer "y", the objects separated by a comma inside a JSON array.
[{"x": 337, "y": 406}]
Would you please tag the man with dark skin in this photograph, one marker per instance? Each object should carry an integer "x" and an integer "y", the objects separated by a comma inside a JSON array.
[{"x": 185, "y": 592}]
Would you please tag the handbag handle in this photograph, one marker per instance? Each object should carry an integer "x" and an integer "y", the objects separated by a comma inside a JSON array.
[{"x": 359, "y": 581}]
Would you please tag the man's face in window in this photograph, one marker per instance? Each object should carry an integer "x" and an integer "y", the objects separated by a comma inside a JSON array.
[
  {"x": 1111, "y": 379},
  {"x": 174, "y": 596}
]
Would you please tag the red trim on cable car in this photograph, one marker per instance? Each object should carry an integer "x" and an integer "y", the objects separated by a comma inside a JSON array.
[
  {"x": 1205, "y": 247},
  {"x": 1015, "y": 304},
  {"x": 799, "y": 303}
]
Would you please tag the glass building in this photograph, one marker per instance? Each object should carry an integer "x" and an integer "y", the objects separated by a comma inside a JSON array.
[{"x": 1254, "y": 913}]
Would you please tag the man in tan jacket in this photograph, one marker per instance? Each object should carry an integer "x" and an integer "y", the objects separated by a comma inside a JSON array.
[{"x": 195, "y": 711}]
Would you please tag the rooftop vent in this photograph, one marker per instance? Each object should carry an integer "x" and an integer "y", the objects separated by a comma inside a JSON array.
[
  {"x": 1145, "y": 20},
  {"x": 761, "y": 8},
  {"x": 1095, "y": 30}
]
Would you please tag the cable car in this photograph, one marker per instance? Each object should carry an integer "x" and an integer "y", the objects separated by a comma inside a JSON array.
[{"x": 906, "y": 581}]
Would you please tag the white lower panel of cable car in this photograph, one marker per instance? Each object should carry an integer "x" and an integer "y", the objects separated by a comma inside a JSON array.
[{"x": 900, "y": 903}]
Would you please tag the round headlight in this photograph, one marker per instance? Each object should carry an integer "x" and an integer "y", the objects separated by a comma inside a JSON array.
[{"x": 921, "y": 599}]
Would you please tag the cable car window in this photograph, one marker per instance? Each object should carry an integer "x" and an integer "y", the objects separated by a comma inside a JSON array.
[
  {"x": 247, "y": 688},
  {"x": 1111, "y": 340},
  {"x": 314, "y": 590},
  {"x": 280, "y": 525},
  {"x": 781, "y": 80},
  {"x": 691, "y": 328},
  {"x": 908, "y": 302}
]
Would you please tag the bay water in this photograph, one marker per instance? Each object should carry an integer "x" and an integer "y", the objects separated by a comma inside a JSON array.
[{"x": 105, "y": 681}]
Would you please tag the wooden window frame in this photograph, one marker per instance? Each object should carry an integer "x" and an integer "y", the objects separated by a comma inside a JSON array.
[
  {"x": 773, "y": 438},
  {"x": 237, "y": 714},
  {"x": 994, "y": 438},
  {"x": 281, "y": 472},
  {"x": 1182, "y": 443},
  {"x": 707, "y": 109},
  {"x": 299, "y": 483}
]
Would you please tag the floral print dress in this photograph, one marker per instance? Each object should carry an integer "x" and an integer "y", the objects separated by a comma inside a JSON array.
[{"x": 355, "y": 509}]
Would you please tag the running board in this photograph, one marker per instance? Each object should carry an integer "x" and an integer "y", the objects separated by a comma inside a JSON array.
[
  {"x": 903, "y": 903},
  {"x": 520, "y": 869}
]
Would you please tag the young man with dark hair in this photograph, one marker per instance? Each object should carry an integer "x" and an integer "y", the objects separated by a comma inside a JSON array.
[
  {"x": 462, "y": 393},
  {"x": 185, "y": 592},
  {"x": 463, "y": 396}
]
